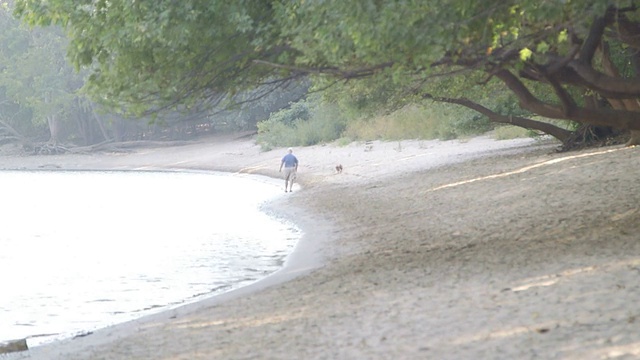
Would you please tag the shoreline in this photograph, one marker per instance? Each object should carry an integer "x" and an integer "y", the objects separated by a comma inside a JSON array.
[
  {"x": 42, "y": 339},
  {"x": 420, "y": 228},
  {"x": 303, "y": 258}
]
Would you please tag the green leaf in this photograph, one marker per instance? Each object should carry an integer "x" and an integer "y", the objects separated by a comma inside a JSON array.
[
  {"x": 525, "y": 54},
  {"x": 541, "y": 48}
]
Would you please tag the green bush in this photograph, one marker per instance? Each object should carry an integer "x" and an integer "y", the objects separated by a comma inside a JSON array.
[
  {"x": 344, "y": 141},
  {"x": 300, "y": 110},
  {"x": 272, "y": 134},
  {"x": 325, "y": 125},
  {"x": 472, "y": 125},
  {"x": 303, "y": 124},
  {"x": 436, "y": 121},
  {"x": 313, "y": 121},
  {"x": 507, "y": 132}
]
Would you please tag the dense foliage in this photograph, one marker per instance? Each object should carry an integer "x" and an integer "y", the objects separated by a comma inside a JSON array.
[
  {"x": 44, "y": 109},
  {"x": 570, "y": 60},
  {"x": 306, "y": 122},
  {"x": 156, "y": 53}
]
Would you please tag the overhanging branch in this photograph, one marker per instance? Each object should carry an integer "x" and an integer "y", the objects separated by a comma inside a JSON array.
[
  {"x": 547, "y": 128},
  {"x": 620, "y": 119},
  {"x": 344, "y": 74}
]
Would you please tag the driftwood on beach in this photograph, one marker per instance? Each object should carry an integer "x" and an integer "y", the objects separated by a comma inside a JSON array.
[
  {"x": 124, "y": 146},
  {"x": 9, "y": 346}
]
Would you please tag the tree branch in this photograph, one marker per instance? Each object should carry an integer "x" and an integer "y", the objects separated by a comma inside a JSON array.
[
  {"x": 568, "y": 104},
  {"x": 628, "y": 31},
  {"x": 612, "y": 87},
  {"x": 606, "y": 117},
  {"x": 345, "y": 74},
  {"x": 547, "y": 128},
  {"x": 594, "y": 37}
]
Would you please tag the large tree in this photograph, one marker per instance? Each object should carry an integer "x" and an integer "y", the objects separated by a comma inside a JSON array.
[
  {"x": 163, "y": 54},
  {"x": 35, "y": 77},
  {"x": 150, "y": 54}
]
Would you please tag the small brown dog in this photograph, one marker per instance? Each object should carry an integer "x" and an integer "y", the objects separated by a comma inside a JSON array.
[{"x": 339, "y": 168}]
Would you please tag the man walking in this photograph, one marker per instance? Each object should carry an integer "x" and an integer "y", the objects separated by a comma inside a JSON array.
[{"x": 290, "y": 163}]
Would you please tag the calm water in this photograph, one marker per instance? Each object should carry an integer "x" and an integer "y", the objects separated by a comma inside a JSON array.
[{"x": 83, "y": 250}]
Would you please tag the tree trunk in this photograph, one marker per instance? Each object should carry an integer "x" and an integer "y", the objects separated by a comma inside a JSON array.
[
  {"x": 626, "y": 104},
  {"x": 98, "y": 119},
  {"x": 634, "y": 139},
  {"x": 52, "y": 120}
]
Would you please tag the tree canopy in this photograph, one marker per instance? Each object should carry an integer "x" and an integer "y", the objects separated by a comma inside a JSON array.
[
  {"x": 153, "y": 54},
  {"x": 573, "y": 60}
]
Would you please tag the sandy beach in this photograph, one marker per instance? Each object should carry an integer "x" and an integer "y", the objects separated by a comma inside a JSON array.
[{"x": 474, "y": 249}]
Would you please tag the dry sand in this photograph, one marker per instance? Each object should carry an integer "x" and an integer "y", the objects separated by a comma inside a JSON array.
[{"x": 480, "y": 249}]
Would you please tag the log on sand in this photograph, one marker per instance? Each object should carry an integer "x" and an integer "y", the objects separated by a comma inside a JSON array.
[{"x": 8, "y": 346}]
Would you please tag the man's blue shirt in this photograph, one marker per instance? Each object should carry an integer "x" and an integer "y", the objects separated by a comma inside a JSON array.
[{"x": 290, "y": 160}]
